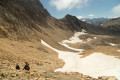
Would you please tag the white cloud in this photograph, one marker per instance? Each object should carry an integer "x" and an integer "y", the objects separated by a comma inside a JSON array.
[
  {"x": 91, "y": 15},
  {"x": 68, "y": 4},
  {"x": 116, "y": 9},
  {"x": 80, "y": 17}
]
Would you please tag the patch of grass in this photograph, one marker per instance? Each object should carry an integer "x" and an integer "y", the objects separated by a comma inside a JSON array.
[
  {"x": 118, "y": 45},
  {"x": 99, "y": 42},
  {"x": 85, "y": 46},
  {"x": 47, "y": 74},
  {"x": 17, "y": 74},
  {"x": 3, "y": 75},
  {"x": 115, "y": 40},
  {"x": 42, "y": 49},
  {"x": 85, "y": 37}
]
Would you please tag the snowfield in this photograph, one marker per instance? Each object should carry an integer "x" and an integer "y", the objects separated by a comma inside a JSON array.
[
  {"x": 75, "y": 38},
  {"x": 94, "y": 65}
]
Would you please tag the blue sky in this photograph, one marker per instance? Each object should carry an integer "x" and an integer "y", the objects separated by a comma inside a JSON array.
[{"x": 83, "y": 8}]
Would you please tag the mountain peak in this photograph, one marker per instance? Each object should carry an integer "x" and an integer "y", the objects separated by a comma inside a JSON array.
[{"x": 68, "y": 16}]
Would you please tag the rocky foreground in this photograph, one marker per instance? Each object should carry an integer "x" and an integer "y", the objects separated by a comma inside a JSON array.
[{"x": 12, "y": 74}]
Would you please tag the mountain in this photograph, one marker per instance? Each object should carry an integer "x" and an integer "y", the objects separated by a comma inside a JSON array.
[
  {"x": 24, "y": 24},
  {"x": 27, "y": 19},
  {"x": 112, "y": 22},
  {"x": 95, "y": 21},
  {"x": 113, "y": 26}
]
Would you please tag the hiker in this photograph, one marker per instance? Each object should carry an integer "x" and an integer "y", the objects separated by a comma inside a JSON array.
[
  {"x": 17, "y": 67},
  {"x": 26, "y": 67}
]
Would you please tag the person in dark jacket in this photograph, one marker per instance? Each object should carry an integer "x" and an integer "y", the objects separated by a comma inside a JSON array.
[
  {"x": 17, "y": 67},
  {"x": 26, "y": 67}
]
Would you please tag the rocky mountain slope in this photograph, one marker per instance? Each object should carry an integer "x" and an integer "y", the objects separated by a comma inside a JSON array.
[
  {"x": 113, "y": 26},
  {"x": 18, "y": 16},
  {"x": 26, "y": 19},
  {"x": 112, "y": 22}
]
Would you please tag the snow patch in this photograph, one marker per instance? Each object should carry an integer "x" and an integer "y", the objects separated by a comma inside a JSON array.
[
  {"x": 83, "y": 20},
  {"x": 95, "y": 65},
  {"x": 118, "y": 50},
  {"x": 95, "y": 37},
  {"x": 112, "y": 44},
  {"x": 89, "y": 39},
  {"x": 75, "y": 39},
  {"x": 80, "y": 50}
]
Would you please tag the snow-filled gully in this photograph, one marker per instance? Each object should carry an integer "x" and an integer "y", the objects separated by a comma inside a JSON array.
[{"x": 94, "y": 65}]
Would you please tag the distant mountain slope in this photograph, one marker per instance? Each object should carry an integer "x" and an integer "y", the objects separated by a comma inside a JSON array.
[
  {"x": 112, "y": 22},
  {"x": 113, "y": 26},
  {"x": 95, "y": 21}
]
